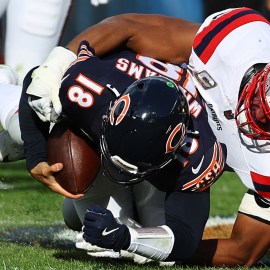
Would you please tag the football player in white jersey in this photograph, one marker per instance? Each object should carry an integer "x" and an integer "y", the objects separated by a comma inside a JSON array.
[
  {"x": 228, "y": 61},
  {"x": 229, "y": 66}
]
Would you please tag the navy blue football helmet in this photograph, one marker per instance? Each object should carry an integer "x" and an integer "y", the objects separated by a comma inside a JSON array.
[{"x": 143, "y": 129}]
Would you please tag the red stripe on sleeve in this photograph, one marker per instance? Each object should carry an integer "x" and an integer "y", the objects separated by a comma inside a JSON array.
[
  {"x": 260, "y": 179},
  {"x": 213, "y": 24},
  {"x": 206, "y": 41},
  {"x": 264, "y": 194},
  {"x": 208, "y": 52}
]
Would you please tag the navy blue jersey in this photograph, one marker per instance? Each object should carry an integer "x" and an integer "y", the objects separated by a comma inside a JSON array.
[{"x": 92, "y": 84}]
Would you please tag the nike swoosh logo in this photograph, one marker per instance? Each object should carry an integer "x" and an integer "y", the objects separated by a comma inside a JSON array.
[
  {"x": 65, "y": 78},
  {"x": 105, "y": 232},
  {"x": 196, "y": 170}
]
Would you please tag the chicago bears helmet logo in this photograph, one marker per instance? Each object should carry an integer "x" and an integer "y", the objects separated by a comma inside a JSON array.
[
  {"x": 179, "y": 128},
  {"x": 126, "y": 100}
]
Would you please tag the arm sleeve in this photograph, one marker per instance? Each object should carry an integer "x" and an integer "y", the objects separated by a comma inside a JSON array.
[
  {"x": 186, "y": 214},
  {"x": 34, "y": 131}
]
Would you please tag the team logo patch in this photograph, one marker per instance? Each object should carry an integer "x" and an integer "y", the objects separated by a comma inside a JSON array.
[{"x": 205, "y": 80}]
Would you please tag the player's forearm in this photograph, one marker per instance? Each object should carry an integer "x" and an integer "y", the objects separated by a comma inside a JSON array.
[
  {"x": 161, "y": 37},
  {"x": 105, "y": 36},
  {"x": 217, "y": 252}
]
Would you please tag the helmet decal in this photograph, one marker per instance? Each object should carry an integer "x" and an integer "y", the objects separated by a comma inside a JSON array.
[
  {"x": 179, "y": 128},
  {"x": 126, "y": 100}
]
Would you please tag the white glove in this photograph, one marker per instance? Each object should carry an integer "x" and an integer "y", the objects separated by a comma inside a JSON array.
[
  {"x": 44, "y": 109},
  {"x": 46, "y": 81},
  {"x": 99, "y": 2}
]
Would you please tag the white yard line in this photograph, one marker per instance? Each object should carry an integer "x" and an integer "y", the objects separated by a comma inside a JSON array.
[{"x": 214, "y": 221}]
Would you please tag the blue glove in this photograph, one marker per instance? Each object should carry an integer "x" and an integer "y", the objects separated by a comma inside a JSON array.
[{"x": 101, "y": 229}]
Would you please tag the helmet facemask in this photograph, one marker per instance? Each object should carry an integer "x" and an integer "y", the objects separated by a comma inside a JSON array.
[
  {"x": 121, "y": 172},
  {"x": 143, "y": 129},
  {"x": 255, "y": 96}
]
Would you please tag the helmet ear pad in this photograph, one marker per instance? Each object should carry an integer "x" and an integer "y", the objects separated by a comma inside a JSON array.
[{"x": 147, "y": 124}]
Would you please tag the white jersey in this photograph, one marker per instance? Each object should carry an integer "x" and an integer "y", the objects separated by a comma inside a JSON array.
[{"x": 227, "y": 44}]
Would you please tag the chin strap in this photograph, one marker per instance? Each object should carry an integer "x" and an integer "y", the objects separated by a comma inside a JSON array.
[{"x": 155, "y": 243}]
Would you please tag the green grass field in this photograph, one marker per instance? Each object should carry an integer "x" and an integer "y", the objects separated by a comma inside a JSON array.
[{"x": 33, "y": 235}]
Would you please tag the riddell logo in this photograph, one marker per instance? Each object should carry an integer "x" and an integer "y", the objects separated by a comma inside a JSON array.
[{"x": 214, "y": 116}]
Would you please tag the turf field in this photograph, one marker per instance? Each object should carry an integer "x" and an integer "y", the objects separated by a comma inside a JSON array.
[{"x": 33, "y": 236}]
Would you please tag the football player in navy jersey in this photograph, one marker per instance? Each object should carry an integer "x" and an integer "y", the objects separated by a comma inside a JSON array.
[
  {"x": 233, "y": 80},
  {"x": 183, "y": 157}
]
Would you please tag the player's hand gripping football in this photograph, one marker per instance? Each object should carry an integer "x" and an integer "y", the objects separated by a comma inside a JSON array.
[
  {"x": 43, "y": 172},
  {"x": 46, "y": 81},
  {"x": 102, "y": 230}
]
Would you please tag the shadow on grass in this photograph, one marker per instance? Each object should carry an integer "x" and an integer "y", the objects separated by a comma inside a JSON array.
[
  {"x": 60, "y": 239},
  {"x": 80, "y": 255},
  {"x": 55, "y": 236}
]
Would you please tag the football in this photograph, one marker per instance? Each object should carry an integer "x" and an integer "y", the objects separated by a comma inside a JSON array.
[{"x": 69, "y": 145}]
